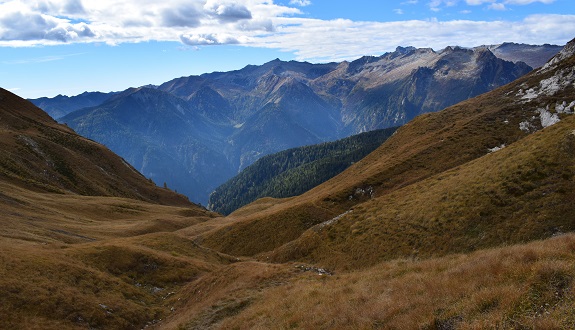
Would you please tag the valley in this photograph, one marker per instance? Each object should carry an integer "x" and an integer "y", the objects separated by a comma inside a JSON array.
[
  {"x": 462, "y": 218},
  {"x": 195, "y": 133}
]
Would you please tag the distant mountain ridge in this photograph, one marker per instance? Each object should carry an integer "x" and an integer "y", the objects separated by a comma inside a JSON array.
[
  {"x": 245, "y": 114},
  {"x": 534, "y": 56},
  {"x": 61, "y": 105}
]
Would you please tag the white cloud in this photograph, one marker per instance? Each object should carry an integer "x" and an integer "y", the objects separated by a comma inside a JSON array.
[
  {"x": 184, "y": 16},
  {"x": 436, "y": 4},
  {"x": 20, "y": 23},
  {"x": 478, "y": 2},
  {"x": 316, "y": 41},
  {"x": 46, "y": 22},
  {"x": 497, "y": 6},
  {"x": 226, "y": 12},
  {"x": 260, "y": 23},
  {"x": 211, "y": 39},
  {"x": 301, "y": 3},
  {"x": 398, "y": 11}
]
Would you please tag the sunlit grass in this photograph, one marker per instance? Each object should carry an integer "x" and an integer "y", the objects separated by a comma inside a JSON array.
[{"x": 523, "y": 286}]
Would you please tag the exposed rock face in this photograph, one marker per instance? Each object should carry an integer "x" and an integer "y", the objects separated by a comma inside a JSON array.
[{"x": 547, "y": 99}]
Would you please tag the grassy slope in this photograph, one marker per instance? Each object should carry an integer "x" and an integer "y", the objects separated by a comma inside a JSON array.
[
  {"x": 85, "y": 240},
  {"x": 520, "y": 193},
  {"x": 527, "y": 286},
  {"x": 64, "y": 257},
  {"x": 40, "y": 154},
  {"x": 429, "y": 145}
]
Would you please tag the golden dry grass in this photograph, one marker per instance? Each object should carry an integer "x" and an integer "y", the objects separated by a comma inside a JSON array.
[
  {"x": 96, "y": 273},
  {"x": 70, "y": 261},
  {"x": 520, "y": 193},
  {"x": 70, "y": 218},
  {"x": 518, "y": 287}
]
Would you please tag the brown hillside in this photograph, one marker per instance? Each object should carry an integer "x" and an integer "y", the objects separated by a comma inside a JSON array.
[
  {"x": 520, "y": 193},
  {"x": 429, "y": 145},
  {"x": 38, "y": 153},
  {"x": 85, "y": 239}
]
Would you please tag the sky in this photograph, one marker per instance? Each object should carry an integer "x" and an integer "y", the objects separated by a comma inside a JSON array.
[{"x": 51, "y": 47}]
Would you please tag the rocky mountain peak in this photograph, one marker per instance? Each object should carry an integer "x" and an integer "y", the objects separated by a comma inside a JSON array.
[{"x": 405, "y": 50}]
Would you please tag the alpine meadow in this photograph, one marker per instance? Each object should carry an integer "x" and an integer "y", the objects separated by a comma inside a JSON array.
[{"x": 398, "y": 165}]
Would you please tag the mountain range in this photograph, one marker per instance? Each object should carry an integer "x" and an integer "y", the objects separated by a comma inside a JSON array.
[
  {"x": 463, "y": 218},
  {"x": 475, "y": 175},
  {"x": 194, "y": 133}
]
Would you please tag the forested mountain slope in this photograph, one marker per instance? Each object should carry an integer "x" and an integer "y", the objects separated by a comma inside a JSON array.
[{"x": 294, "y": 171}]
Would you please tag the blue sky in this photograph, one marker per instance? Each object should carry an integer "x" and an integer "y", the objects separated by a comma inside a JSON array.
[{"x": 50, "y": 47}]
